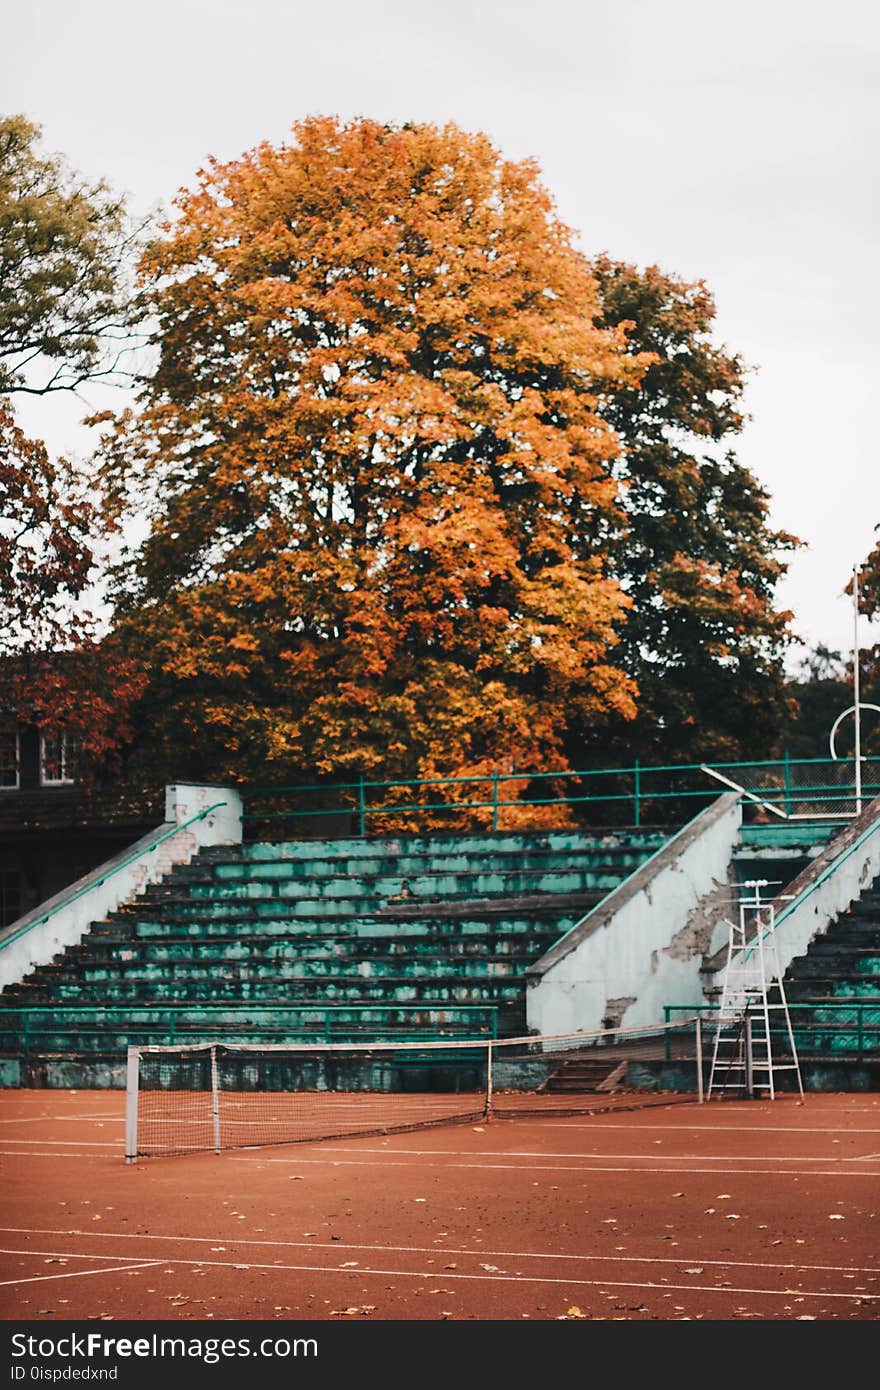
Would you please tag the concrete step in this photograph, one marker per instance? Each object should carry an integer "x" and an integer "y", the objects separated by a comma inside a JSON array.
[
  {"x": 502, "y": 841},
  {"x": 247, "y": 907},
  {"x": 332, "y": 911},
  {"x": 195, "y": 971},
  {"x": 619, "y": 859},
  {"x": 267, "y": 929},
  {"x": 390, "y": 990},
  {"x": 386, "y": 888},
  {"x": 259, "y": 950},
  {"x": 582, "y": 1076}
]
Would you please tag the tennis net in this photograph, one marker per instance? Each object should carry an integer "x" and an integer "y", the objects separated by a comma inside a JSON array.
[{"x": 223, "y": 1095}]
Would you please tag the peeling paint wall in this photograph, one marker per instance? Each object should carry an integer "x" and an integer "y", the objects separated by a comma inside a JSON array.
[
  {"x": 643, "y": 946},
  {"x": 708, "y": 922}
]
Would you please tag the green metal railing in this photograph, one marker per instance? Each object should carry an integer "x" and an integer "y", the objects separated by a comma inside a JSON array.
[
  {"x": 860, "y": 1022},
  {"x": 95, "y": 881},
  {"x": 23, "y": 1028},
  {"x": 803, "y": 787}
]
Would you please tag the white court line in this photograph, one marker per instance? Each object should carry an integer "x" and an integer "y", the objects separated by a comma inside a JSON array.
[
  {"x": 666, "y": 1171},
  {"x": 70, "y": 1143},
  {"x": 449, "y": 1276},
  {"x": 68, "y": 1119},
  {"x": 49, "y": 1153},
  {"x": 539, "y": 1153},
  {"x": 709, "y": 1129},
  {"x": 425, "y": 1250},
  {"x": 552, "y": 1167},
  {"x": 73, "y": 1273}
]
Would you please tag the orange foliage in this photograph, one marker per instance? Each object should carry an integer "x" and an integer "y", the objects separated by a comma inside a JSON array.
[{"x": 380, "y": 485}]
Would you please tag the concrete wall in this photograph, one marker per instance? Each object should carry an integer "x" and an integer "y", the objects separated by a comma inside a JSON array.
[
  {"x": 62, "y": 921},
  {"x": 814, "y": 900},
  {"x": 643, "y": 945}
]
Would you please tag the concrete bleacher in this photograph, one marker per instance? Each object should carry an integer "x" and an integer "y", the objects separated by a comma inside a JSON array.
[{"x": 349, "y": 939}]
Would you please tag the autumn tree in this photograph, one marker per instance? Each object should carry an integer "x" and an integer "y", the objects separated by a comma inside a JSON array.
[
  {"x": 380, "y": 483},
  {"x": 57, "y": 670},
  {"x": 704, "y": 640},
  {"x": 66, "y": 311}
]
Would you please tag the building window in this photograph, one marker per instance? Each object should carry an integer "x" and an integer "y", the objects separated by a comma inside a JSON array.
[
  {"x": 57, "y": 760},
  {"x": 9, "y": 760},
  {"x": 10, "y": 896}
]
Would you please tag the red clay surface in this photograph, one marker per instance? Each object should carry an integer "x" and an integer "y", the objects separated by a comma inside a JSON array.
[{"x": 738, "y": 1209}]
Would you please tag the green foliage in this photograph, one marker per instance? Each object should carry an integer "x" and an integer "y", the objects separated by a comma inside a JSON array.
[
  {"x": 66, "y": 310},
  {"x": 703, "y": 641}
]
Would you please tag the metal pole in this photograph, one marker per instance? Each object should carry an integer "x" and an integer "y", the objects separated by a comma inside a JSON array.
[
  {"x": 637, "y": 788},
  {"x": 747, "y": 1043},
  {"x": 489, "y": 1059},
  {"x": 215, "y": 1100},
  {"x": 700, "y": 1096},
  {"x": 856, "y": 693},
  {"x": 495, "y": 800},
  {"x": 131, "y": 1104}
]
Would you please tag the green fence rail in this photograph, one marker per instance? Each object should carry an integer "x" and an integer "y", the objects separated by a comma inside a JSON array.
[
  {"x": 24, "y": 1030},
  {"x": 790, "y": 788},
  {"x": 859, "y": 1024}
]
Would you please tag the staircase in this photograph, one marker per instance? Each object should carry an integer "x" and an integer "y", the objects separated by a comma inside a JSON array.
[
  {"x": 342, "y": 940},
  {"x": 833, "y": 992},
  {"x": 586, "y": 1076}
]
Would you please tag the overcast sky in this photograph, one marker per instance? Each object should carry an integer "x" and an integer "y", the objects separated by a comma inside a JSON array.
[{"x": 730, "y": 140}]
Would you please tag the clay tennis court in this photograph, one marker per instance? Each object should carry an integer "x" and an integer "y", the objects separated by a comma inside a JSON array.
[{"x": 739, "y": 1209}]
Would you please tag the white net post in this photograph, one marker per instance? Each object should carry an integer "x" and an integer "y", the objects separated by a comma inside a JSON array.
[
  {"x": 132, "y": 1074},
  {"x": 215, "y": 1100},
  {"x": 489, "y": 1065},
  {"x": 698, "y": 1047}
]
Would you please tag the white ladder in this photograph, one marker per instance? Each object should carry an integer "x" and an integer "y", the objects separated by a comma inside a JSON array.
[{"x": 753, "y": 1006}]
